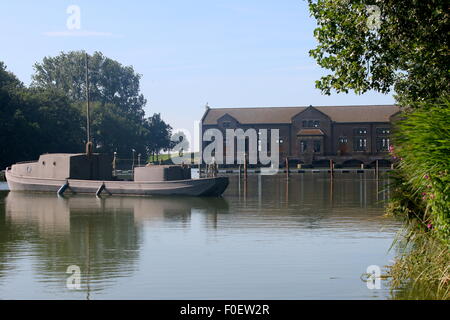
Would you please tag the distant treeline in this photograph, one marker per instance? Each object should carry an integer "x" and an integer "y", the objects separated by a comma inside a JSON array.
[{"x": 50, "y": 115}]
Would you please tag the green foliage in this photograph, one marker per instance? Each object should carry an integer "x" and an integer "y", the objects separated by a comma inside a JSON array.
[
  {"x": 109, "y": 81},
  {"x": 50, "y": 116},
  {"x": 407, "y": 51},
  {"x": 34, "y": 121},
  {"x": 117, "y": 114},
  {"x": 423, "y": 148},
  {"x": 159, "y": 134}
]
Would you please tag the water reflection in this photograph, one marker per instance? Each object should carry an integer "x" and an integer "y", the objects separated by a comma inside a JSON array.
[
  {"x": 102, "y": 236},
  {"x": 305, "y": 236}
]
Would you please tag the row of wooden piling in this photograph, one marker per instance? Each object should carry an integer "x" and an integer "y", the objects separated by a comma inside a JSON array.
[{"x": 244, "y": 166}]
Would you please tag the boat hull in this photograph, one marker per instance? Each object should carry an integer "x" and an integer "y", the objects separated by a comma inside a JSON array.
[{"x": 192, "y": 187}]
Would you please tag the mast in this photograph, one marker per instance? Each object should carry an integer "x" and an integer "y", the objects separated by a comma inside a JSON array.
[{"x": 88, "y": 111}]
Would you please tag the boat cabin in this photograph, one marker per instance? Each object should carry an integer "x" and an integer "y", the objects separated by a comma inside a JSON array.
[{"x": 67, "y": 166}]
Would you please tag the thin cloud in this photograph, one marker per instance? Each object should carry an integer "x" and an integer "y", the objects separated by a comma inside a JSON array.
[{"x": 80, "y": 34}]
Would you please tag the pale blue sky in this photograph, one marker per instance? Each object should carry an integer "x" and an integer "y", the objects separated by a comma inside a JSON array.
[{"x": 227, "y": 53}]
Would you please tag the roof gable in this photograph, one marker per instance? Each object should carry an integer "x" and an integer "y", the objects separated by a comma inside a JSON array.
[{"x": 310, "y": 110}]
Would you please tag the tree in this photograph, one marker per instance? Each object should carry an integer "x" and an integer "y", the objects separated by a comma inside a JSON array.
[
  {"x": 158, "y": 134},
  {"x": 110, "y": 81},
  {"x": 111, "y": 131},
  {"x": 34, "y": 121},
  {"x": 117, "y": 115},
  {"x": 383, "y": 45}
]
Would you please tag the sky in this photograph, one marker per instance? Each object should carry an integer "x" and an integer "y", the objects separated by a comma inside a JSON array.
[{"x": 227, "y": 53}]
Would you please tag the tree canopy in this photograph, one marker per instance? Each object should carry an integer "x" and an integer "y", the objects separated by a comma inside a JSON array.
[
  {"x": 50, "y": 115},
  {"x": 383, "y": 45},
  {"x": 34, "y": 121},
  {"x": 110, "y": 82}
]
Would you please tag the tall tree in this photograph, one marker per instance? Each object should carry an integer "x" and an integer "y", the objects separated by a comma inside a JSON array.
[
  {"x": 117, "y": 114},
  {"x": 110, "y": 81},
  {"x": 114, "y": 132},
  {"x": 158, "y": 134},
  {"x": 383, "y": 45},
  {"x": 34, "y": 121}
]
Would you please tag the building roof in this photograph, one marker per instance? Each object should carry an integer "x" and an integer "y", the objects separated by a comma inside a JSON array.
[
  {"x": 366, "y": 113},
  {"x": 310, "y": 132}
]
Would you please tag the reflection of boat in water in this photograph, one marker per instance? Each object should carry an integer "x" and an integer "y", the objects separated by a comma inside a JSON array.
[
  {"x": 103, "y": 236},
  {"x": 46, "y": 209}
]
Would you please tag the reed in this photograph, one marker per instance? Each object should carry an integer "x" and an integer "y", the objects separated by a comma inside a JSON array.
[
  {"x": 421, "y": 198},
  {"x": 422, "y": 184},
  {"x": 421, "y": 269}
]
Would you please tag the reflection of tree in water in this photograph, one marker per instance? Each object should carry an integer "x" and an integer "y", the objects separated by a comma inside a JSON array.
[
  {"x": 101, "y": 236},
  {"x": 10, "y": 236},
  {"x": 13, "y": 237},
  {"x": 103, "y": 242}
]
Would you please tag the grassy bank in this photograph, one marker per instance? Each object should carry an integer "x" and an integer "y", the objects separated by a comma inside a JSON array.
[
  {"x": 165, "y": 157},
  {"x": 421, "y": 198},
  {"x": 421, "y": 269}
]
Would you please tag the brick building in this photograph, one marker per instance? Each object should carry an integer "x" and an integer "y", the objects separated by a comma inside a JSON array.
[{"x": 348, "y": 135}]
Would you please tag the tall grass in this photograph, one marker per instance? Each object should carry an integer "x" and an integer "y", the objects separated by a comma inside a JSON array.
[
  {"x": 421, "y": 269},
  {"x": 421, "y": 197},
  {"x": 422, "y": 188}
]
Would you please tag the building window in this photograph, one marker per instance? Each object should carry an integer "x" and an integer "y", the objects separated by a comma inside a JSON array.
[
  {"x": 316, "y": 146},
  {"x": 383, "y": 131},
  {"x": 360, "y": 144},
  {"x": 226, "y": 124},
  {"x": 303, "y": 145},
  {"x": 360, "y": 131},
  {"x": 343, "y": 140},
  {"x": 382, "y": 144},
  {"x": 311, "y": 123}
]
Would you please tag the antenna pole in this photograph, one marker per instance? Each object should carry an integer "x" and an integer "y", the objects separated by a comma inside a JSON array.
[{"x": 88, "y": 111}]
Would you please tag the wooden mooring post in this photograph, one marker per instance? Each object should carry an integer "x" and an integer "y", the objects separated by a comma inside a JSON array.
[
  {"x": 245, "y": 167},
  {"x": 376, "y": 169},
  {"x": 287, "y": 167},
  {"x": 331, "y": 168}
]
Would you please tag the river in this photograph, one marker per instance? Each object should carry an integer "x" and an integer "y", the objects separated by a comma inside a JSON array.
[{"x": 306, "y": 237}]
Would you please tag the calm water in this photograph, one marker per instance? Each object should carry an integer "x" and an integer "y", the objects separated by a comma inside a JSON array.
[{"x": 267, "y": 239}]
